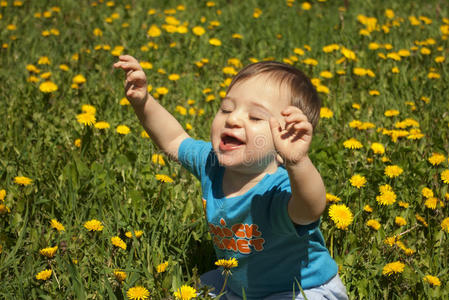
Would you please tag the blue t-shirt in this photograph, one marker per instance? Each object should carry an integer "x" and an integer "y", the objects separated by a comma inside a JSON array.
[{"x": 255, "y": 228}]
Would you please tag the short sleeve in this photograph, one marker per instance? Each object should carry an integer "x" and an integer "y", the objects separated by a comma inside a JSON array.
[
  {"x": 193, "y": 154},
  {"x": 279, "y": 213}
]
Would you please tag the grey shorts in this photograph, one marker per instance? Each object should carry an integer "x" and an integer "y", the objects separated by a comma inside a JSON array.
[{"x": 332, "y": 290}]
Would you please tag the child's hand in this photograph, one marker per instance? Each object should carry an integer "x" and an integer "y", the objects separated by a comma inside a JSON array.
[
  {"x": 292, "y": 142},
  {"x": 136, "y": 81}
]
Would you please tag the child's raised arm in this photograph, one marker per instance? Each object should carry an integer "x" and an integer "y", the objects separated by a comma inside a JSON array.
[
  {"x": 292, "y": 143},
  {"x": 160, "y": 125}
]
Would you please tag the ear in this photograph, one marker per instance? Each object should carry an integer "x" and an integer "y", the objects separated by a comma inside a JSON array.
[{"x": 279, "y": 159}]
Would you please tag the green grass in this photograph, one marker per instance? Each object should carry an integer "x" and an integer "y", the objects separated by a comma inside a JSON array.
[{"x": 111, "y": 177}]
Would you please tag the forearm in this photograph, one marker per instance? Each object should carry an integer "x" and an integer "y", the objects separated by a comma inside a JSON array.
[
  {"x": 160, "y": 125},
  {"x": 308, "y": 199}
]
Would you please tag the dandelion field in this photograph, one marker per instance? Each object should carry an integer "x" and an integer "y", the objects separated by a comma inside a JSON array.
[{"x": 90, "y": 209}]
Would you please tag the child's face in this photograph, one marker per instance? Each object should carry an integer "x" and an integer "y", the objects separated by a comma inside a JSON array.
[{"x": 241, "y": 135}]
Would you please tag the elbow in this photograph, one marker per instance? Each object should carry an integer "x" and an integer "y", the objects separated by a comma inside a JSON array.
[{"x": 303, "y": 214}]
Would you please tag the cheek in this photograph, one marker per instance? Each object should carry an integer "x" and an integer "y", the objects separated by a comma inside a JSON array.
[
  {"x": 262, "y": 139},
  {"x": 215, "y": 129}
]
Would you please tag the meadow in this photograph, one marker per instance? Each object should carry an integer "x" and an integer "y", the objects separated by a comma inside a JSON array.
[{"x": 91, "y": 209}]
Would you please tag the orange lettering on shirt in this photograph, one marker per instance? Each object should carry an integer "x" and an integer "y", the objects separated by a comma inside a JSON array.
[
  {"x": 252, "y": 230},
  {"x": 227, "y": 232},
  {"x": 257, "y": 244},
  {"x": 218, "y": 243},
  {"x": 243, "y": 246},
  {"x": 215, "y": 230},
  {"x": 222, "y": 222},
  {"x": 229, "y": 244},
  {"x": 239, "y": 230}
]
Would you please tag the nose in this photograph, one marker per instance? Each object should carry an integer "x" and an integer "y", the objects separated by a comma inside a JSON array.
[{"x": 234, "y": 119}]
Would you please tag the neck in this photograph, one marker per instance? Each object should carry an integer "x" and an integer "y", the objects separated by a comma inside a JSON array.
[{"x": 237, "y": 183}]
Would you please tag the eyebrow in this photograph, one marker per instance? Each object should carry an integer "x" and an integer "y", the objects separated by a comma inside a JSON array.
[{"x": 252, "y": 103}]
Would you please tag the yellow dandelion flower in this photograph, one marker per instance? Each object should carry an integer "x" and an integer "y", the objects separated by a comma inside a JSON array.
[
  {"x": 2, "y": 194},
  {"x": 49, "y": 251},
  {"x": 445, "y": 176},
  {"x": 400, "y": 221},
  {"x": 164, "y": 178},
  {"x": 378, "y": 148},
  {"x": 162, "y": 90},
  {"x": 146, "y": 65},
  {"x": 341, "y": 215},
  {"x": 227, "y": 263},
  {"x": 310, "y": 62},
  {"x": 79, "y": 79},
  {"x": 393, "y": 268},
  {"x": 403, "y": 204},
  {"x": 198, "y": 30},
  {"x": 57, "y": 225},
  {"x": 374, "y": 224},
  {"x": 138, "y": 293},
  {"x": 22, "y": 180},
  {"x": 48, "y": 87},
  {"x": 4, "y": 209},
  {"x": 124, "y": 102},
  {"x": 185, "y": 293},
  {"x": 432, "y": 280},
  {"x": 229, "y": 70},
  {"x": 426, "y": 192},
  {"x": 44, "y": 275},
  {"x": 386, "y": 197},
  {"x": 118, "y": 242},
  {"x": 162, "y": 267},
  {"x": 393, "y": 171},
  {"x": 123, "y": 129},
  {"x": 326, "y": 74},
  {"x": 421, "y": 220},
  {"x": 326, "y": 113},
  {"x": 368, "y": 208},
  {"x": 102, "y": 125},
  {"x": 154, "y": 31},
  {"x": 158, "y": 159},
  {"x": 440, "y": 59},
  {"x": 137, "y": 234},
  {"x": 88, "y": 109},
  {"x": 93, "y": 225},
  {"x": 348, "y": 53},
  {"x": 391, "y": 113},
  {"x": 357, "y": 181},
  {"x": 352, "y": 143},
  {"x": 431, "y": 203},
  {"x": 86, "y": 119},
  {"x": 332, "y": 198},
  {"x": 173, "y": 77},
  {"x": 215, "y": 42},
  {"x": 119, "y": 275},
  {"x": 77, "y": 143},
  {"x": 445, "y": 225}
]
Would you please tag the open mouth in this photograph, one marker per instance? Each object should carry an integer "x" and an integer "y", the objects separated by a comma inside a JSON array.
[{"x": 229, "y": 142}]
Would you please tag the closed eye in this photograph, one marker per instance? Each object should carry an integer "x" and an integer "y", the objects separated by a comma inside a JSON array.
[{"x": 255, "y": 119}]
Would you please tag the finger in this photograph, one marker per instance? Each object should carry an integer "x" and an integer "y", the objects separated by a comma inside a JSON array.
[
  {"x": 290, "y": 110},
  {"x": 296, "y": 117},
  {"x": 305, "y": 127},
  {"x": 127, "y": 58},
  {"x": 136, "y": 76},
  {"x": 127, "y": 66},
  {"x": 276, "y": 128}
]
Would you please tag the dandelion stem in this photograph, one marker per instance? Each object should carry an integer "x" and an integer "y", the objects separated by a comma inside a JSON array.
[
  {"x": 407, "y": 231},
  {"x": 225, "y": 281}
]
